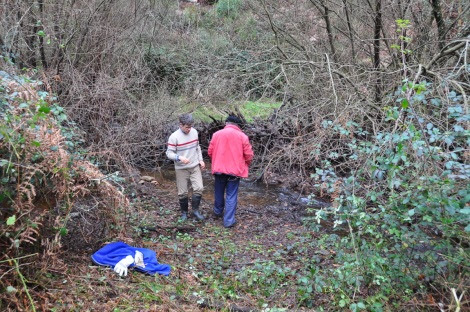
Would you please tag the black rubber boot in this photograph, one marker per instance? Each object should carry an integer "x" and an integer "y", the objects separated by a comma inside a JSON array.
[
  {"x": 184, "y": 204},
  {"x": 195, "y": 201}
]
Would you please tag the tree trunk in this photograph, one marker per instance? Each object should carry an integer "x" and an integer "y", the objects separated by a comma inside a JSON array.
[
  {"x": 329, "y": 30},
  {"x": 29, "y": 31},
  {"x": 41, "y": 38},
  {"x": 377, "y": 31},
  {"x": 437, "y": 13},
  {"x": 351, "y": 38}
]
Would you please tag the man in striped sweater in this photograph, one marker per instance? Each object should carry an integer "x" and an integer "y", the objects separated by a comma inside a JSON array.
[{"x": 184, "y": 150}]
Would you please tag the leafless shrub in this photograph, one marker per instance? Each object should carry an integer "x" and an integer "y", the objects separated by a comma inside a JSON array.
[{"x": 322, "y": 59}]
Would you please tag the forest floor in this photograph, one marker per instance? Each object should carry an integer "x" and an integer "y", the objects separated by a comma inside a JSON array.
[{"x": 261, "y": 264}]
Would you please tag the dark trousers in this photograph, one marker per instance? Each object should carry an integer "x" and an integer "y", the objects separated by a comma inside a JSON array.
[{"x": 226, "y": 197}]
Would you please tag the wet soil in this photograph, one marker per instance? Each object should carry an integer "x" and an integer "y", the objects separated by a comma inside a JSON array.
[{"x": 209, "y": 262}]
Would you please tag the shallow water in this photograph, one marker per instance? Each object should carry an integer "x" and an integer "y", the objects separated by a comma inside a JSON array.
[{"x": 253, "y": 194}]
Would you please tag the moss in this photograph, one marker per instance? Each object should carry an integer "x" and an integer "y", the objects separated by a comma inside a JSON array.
[
  {"x": 259, "y": 110},
  {"x": 250, "y": 110}
]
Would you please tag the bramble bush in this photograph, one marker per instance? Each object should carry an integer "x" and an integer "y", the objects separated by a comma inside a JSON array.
[{"x": 405, "y": 204}]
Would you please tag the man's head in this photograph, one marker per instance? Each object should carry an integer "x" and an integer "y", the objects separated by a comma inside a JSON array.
[
  {"x": 232, "y": 119},
  {"x": 186, "y": 122}
]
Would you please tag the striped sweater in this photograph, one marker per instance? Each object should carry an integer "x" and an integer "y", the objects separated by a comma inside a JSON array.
[{"x": 186, "y": 145}]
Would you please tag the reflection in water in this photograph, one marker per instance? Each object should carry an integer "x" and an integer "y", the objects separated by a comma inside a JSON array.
[{"x": 250, "y": 193}]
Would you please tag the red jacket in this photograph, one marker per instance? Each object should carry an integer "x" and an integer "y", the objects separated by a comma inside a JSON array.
[{"x": 230, "y": 151}]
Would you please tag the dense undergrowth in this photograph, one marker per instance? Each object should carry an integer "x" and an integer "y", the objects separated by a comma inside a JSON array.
[
  {"x": 396, "y": 235},
  {"x": 346, "y": 122},
  {"x": 405, "y": 203},
  {"x": 44, "y": 177}
]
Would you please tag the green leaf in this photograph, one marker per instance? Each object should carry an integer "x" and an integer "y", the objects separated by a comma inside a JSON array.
[
  {"x": 427, "y": 218},
  {"x": 11, "y": 220},
  {"x": 36, "y": 143},
  {"x": 361, "y": 305},
  {"x": 44, "y": 109},
  {"x": 63, "y": 231},
  {"x": 41, "y": 33},
  {"x": 465, "y": 211},
  {"x": 405, "y": 103}
]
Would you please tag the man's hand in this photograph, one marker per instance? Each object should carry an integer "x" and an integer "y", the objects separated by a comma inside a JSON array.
[
  {"x": 202, "y": 164},
  {"x": 184, "y": 160}
]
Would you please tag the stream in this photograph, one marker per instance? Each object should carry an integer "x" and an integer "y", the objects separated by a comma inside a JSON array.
[{"x": 250, "y": 194}]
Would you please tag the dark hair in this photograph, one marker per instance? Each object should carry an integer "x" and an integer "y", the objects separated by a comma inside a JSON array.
[
  {"x": 234, "y": 119},
  {"x": 186, "y": 119}
]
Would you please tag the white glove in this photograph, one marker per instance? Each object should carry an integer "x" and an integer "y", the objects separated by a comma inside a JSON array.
[
  {"x": 139, "y": 259},
  {"x": 121, "y": 267}
]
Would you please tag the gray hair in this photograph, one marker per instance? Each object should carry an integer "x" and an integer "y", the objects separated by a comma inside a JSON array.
[{"x": 186, "y": 119}]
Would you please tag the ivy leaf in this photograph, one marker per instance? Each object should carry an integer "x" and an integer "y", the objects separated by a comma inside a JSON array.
[
  {"x": 405, "y": 103},
  {"x": 465, "y": 211},
  {"x": 11, "y": 220},
  {"x": 44, "y": 109}
]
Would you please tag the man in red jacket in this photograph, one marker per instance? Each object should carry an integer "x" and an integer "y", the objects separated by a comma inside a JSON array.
[{"x": 231, "y": 154}]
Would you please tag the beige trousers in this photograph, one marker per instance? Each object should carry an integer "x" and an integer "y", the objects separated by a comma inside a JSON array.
[{"x": 184, "y": 176}]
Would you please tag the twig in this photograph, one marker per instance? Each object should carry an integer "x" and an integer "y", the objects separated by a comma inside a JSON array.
[
  {"x": 256, "y": 261},
  {"x": 332, "y": 81},
  {"x": 34, "y": 254},
  {"x": 276, "y": 35},
  {"x": 457, "y": 299},
  {"x": 24, "y": 285},
  {"x": 356, "y": 252},
  {"x": 179, "y": 228},
  {"x": 446, "y": 52}
]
